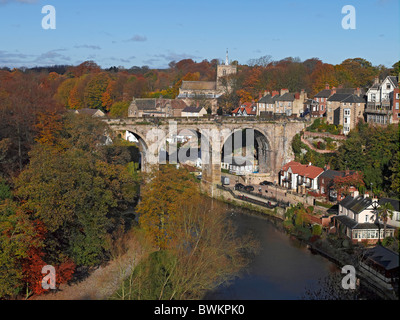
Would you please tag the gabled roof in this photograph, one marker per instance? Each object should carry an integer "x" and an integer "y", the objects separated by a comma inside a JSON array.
[
  {"x": 357, "y": 204},
  {"x": 267, "y": 99},
  {"x": 339, "y": 96},
  {"x": 386, "y": 258},
  {"x": 178, "y": 104},
  {"x": 288, "y": 96},
  {"x": 308, "y": 171},
  {"x": 145, "y": 104},
  {"x": 393, "y": 202},
  {"x": 199, "y": 85},
  {"x": 331, "y": 174},
  {"x": 192, "y": 109},
  {"x": 247, "y": 107},
  {"x": 354, "y": 99},
  {"x": 394, "y": 80},
  {"x": 323, "y": 94},
  {"x": 89, "y": 111}
]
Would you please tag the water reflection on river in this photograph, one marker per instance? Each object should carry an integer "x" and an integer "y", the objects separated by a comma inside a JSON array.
[{"x": 283, "y": 269}]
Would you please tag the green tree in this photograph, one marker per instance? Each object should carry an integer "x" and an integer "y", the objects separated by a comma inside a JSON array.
[
  {"x": 119, "y": 109},
  {"x": 384, "y": 212}
]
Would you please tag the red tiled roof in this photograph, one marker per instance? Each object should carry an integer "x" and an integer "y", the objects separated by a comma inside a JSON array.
[
  {"x": 248, "y": 107},
  {"x": 305, "y": 170}
]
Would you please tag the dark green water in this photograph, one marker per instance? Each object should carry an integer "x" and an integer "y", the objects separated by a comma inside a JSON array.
[{"x": 282, "y": 270}]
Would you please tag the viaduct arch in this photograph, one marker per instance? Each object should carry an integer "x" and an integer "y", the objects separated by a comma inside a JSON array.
[{"x": 273, "y": 141}]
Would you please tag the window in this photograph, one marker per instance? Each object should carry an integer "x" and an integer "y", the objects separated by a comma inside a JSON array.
[
  {"x": 397, "y": 216},
  {"x": 322, "y": 108},
  {"x": 397, "y": 106},
  {"x": 397, "y": 95},
  {"x": 347, "y": 112},
  {"x": 388, "y": 86},
  {"x": 366, "y": 218}
]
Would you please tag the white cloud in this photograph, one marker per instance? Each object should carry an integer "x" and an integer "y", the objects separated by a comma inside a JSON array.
[
  {"x": 88, "y": 46},
  {"x": 138, "y": 38}
]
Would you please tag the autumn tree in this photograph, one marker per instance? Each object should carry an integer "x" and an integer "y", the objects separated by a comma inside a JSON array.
[
  {"x": 72, "y": 190},
  {"x": 197, "y": 247},
  {"x": 95, "y": 89},
  {"x": 342, "y": 184}
]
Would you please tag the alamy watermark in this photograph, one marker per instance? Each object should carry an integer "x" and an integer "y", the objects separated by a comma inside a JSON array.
[
  {"x": 349, "y": 20},
  {"x": 49, "y": 280},
  {"x": 49, "y": 20},
  {"x": 349, "y": 280}
]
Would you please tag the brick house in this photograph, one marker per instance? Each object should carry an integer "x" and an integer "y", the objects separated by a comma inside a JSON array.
[
  {"x": 326, "y": 183},
  {"x": 321, "y": 98}
]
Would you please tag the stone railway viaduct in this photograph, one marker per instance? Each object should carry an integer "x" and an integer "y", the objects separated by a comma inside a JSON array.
[{"x": 273, "y": 138}]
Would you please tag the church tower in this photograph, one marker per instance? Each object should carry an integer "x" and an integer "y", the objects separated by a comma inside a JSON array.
[{"x": 224, "y": 70}]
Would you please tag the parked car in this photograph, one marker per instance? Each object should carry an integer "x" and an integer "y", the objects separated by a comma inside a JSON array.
[
  {"x": 249, "y": 188},
  {"x": 266, "y": 183},
  {"x": 239, "y": 186}
]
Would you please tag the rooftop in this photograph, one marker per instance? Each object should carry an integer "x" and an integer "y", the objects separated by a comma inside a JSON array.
[
  {"x": 356, "y": 204},
  {"x": 199, "y": 85},
  {"x": 305, "y": 170},
  {"x": 386, "y": 258}
]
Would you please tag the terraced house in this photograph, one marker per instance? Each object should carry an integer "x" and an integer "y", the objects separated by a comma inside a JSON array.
[
  {"x": 283, "y": 102},
  {"x": 345, "y": 109}
]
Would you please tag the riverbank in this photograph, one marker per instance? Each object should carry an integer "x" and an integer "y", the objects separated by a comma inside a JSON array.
[{"x": 338, "y": 251}]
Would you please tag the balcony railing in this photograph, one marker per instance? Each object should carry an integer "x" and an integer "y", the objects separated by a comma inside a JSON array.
[{"x": 378, "y": 108}]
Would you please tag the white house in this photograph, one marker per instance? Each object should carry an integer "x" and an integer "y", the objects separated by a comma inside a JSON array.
[
  {"x": 299, "y": 177},
  {"x": 357, "y": 219},
  {"x": 381, "y": 107}
]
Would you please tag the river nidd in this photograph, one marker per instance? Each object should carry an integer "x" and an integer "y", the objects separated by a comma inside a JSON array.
[{"x": 283, "y": 269}]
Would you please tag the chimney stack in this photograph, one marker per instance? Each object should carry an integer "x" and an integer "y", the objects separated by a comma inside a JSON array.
[
  {"x": 327, "y": 86},
  {"x": 274, "y": 93},
  {"x": 283, "y": 91},
  {"x": 333, "y": 91}
]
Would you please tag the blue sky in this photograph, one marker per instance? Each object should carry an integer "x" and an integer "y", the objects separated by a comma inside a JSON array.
[{"x": 155, "y": 32}]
